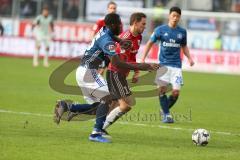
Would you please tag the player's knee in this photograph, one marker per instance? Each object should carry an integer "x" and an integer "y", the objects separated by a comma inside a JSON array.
[
  {"x": 162, "y": 90},
  {"x": 131, "y": 102},
  {"x": 175, "y": 93},
  {"x": 126, "y": 103},
  {"x": 125, "y": 108}
]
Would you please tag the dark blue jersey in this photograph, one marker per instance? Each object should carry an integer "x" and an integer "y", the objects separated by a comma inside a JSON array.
[
  {"x": 171, "y": 41},
  {"x": 102, "y": 45}
]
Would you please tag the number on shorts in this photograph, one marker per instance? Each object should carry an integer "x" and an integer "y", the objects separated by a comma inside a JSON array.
[
  {"x": 126, "y": 89},
  {"x": 179, "y": 79}
]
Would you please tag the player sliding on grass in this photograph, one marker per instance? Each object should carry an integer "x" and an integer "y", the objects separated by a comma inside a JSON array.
[
  {"x": 92, "y": 84},
  {"x": 172, "y": 39}
]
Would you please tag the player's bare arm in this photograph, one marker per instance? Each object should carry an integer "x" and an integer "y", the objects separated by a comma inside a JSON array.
[
  {"x": 136, "y": 66},
  {"x": 187, "y": 54},
  {"x": 146, "y": 50},
  {"x": 52, "y": 27}
]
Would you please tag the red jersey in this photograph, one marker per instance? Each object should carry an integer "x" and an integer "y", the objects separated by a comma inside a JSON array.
[
  {"x": 100, "y": 23},
  {"x": 127, "y": 55}
]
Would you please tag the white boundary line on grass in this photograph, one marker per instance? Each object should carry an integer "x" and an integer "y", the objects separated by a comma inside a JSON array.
[{"x": 125, "y": 123}]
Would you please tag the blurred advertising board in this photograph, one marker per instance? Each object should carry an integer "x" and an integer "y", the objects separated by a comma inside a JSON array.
[
  {"x": 25, "y": 47},
  {"x": 205, "y": 60},
  {"x": 98, "y": 9},
  {"x": 71, "y": 40},
  {"x": 66, "y": 31}
]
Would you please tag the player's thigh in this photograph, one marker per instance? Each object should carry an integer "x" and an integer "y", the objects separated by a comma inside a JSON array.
[
  {"x": 47, "y": 42},
  {"x": 87, "y": 96},
  {"x": 92, "y": 83},
  {"x": 163, "y": 77},
  {"x": 38, "y": 39},
  {"x": 176, "y": 78},
  {"x": 38, "y": 42},
  {"x": 117, "y": 85}
]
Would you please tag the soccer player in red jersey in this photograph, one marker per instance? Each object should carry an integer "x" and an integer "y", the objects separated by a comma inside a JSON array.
[
  {"x": 111, "y": 8},
  {"x": 116, "y": 77}
]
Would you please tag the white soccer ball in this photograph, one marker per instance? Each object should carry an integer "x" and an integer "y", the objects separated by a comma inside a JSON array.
[{"x": 200, "y": 137}]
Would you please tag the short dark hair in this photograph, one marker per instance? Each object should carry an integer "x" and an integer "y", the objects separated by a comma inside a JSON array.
[
  {"x": 175, "y": 9},
  {"x": 112, "y": 18},
  {"x": 137, "y": 17},
  {"x": 111, "y": 3},
  {"x": 45, "y": 7}
]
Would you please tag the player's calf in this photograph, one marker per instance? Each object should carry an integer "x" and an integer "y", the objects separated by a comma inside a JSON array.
[
  {"x": 124, "y": 107},
  {"x": 172, "y": 99}
]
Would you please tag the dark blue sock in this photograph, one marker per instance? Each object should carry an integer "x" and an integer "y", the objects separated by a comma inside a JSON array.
[
  {"x": 164, "y": 103},
  {"x": 171, "y": 101},
  {"x": 101, "y": 114},
  {"x": 83, "y": 108}
]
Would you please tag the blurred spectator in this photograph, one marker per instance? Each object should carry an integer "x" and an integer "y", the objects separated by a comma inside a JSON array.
[
  {"x": 1, "y": 29},
  {"x": 53, "y": 7},
  {"x": 71, "y": 9},
  {"x": 221, "y": 5},
  {"x": 28, "y": 8},
  {"x": 5, "y": 7},
  {"x": 162, "y": 2},
  {"x": 236, "y": 6},
  {"x": 157, "y": 14}
]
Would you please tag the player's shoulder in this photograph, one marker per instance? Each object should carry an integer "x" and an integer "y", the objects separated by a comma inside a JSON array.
[
  {"x": 100, "y": 21},
  {"x": 125, "y": 35},
  {"x": 106, "y": 42},
  {"x": 50, "y": 17},
  {"x": 39, "y": 16},
  {"x": 105, "y": 36},
  {"x": 160, "y": 29},
  {"x": 181, "y": 29}
]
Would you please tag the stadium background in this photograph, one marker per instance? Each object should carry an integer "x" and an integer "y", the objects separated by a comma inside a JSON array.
[{"x": 213, "y": 27}]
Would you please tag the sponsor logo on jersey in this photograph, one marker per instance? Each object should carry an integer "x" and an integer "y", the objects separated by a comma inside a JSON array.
[
  {"x": 179, "y": 36},
  {"x": 112, "y": 47},
  {"x": 175, "y": 45},
  {"x": 166, "y": 34}
]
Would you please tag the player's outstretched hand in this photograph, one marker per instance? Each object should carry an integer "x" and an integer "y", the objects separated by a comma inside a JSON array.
[
  {"x": 135, "y": 77},
  {"x": 154, "y": 66},
  {"x": 191, "y": 62},
  {"x": 126, "y": 44}
]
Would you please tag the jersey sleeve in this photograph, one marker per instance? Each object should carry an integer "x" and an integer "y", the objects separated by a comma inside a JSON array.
[
  {"x": 155, "y": 35},
  {"x": 97, "y": 26},
  {"x": 108, "y": 47},
  {"x": 37, "y": 20},
  {"x": 51, "y": 20},
  {"x": 184, "y": 40}
]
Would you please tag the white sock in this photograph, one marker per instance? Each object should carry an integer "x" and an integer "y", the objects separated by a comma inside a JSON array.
[
  {"x": 45, "y": 61},
  {"x": 35, "y": 58},
  {"x": 113, "y": 116}
]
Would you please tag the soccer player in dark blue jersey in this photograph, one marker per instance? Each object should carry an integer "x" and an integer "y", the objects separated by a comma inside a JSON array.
[
  {"x": 172, "y": 38},
  {"x": 92, "y": 84}
]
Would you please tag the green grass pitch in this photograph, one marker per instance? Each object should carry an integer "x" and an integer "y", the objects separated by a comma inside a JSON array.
[{"x": 27, "y": 131}]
